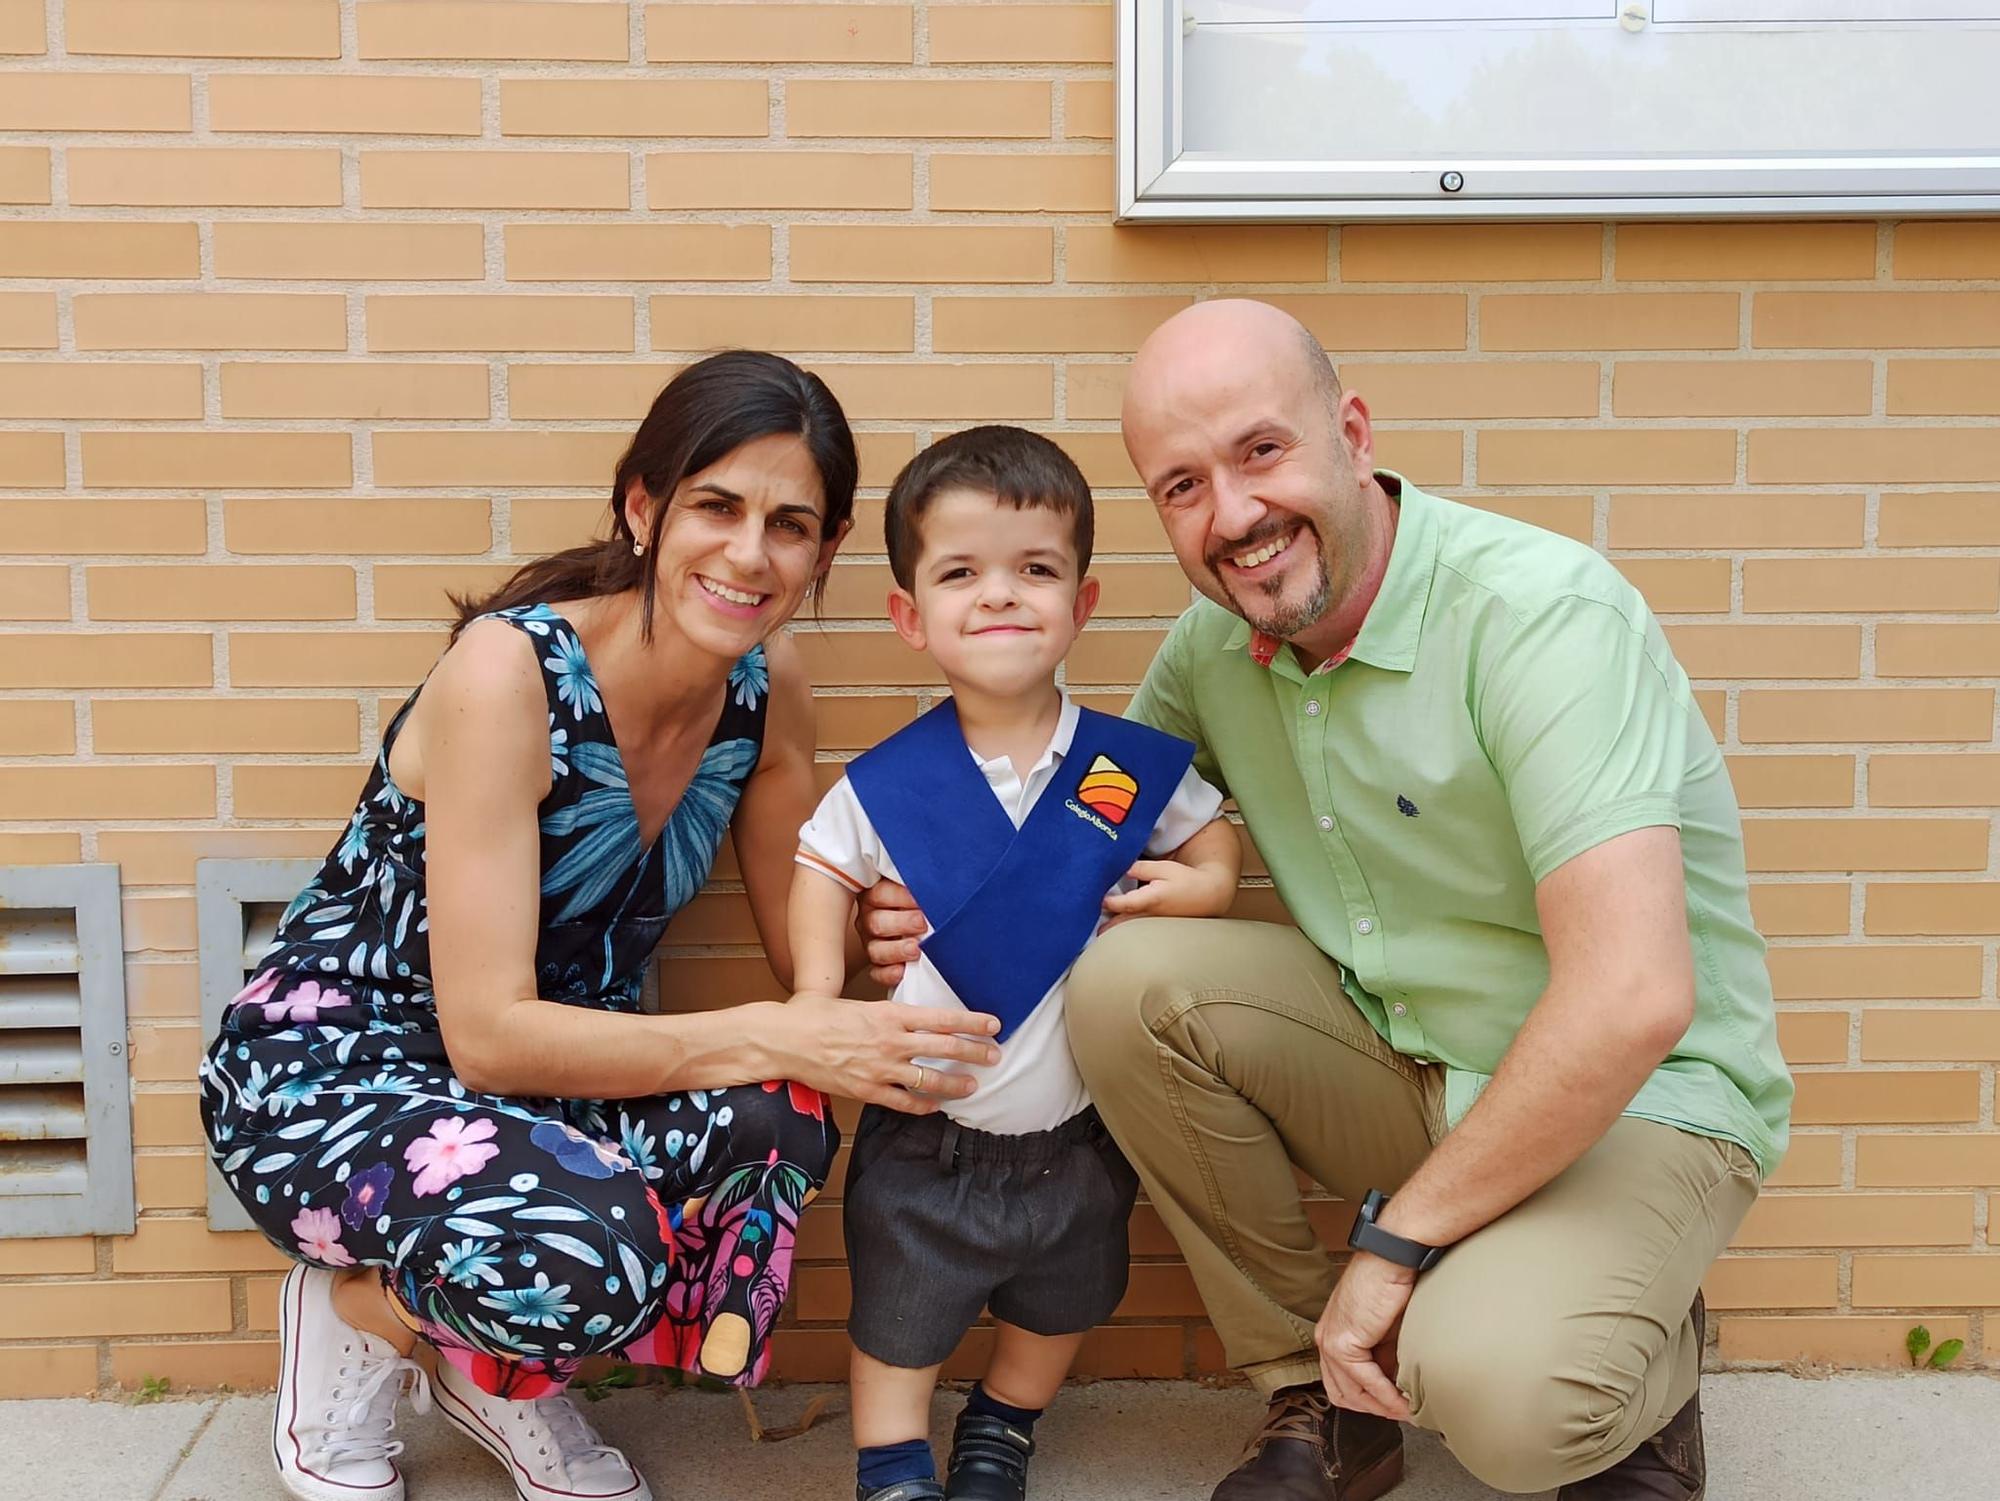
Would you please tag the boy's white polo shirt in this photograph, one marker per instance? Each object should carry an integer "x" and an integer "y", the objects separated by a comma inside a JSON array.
[{"x": 1035, "y": 1086}]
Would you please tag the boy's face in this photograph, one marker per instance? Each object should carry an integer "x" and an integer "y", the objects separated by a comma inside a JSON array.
[{"x": 997, "y": 600}]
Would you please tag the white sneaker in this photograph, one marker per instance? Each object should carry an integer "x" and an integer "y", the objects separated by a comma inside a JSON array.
[
  {"x": 337, "y": 1391},
  {"x": 550, "y": 1452}
]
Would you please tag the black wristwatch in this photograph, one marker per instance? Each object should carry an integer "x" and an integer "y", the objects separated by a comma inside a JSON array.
[{"x": 1372, "y": 1238}]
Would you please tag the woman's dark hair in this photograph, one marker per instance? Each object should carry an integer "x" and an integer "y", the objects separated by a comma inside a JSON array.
[{"x": 708, "y": 411}]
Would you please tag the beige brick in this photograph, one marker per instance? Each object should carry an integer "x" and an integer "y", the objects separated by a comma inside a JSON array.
[
  {"x": 1948, "y": 250},
  {"x": 1730, "y": 388},
  {"x": 135, "y": 726},
  {"x": 156, "y": 986},
  {"x": 421, "y": 591},
  {"x": 638, "y": 252},
  {"x": 1932, "y": 907},
  {"x": 48, "y": 1370},
  {"x": 1944, "y": 388},
  {"x": 690, "y": 33},
  {"x": 31, "y": 461},
  {"x": 1431, "y": 457},
  {"x": 166, "y": 857},
  {"x": 1838, "y": 844},
  {"x": 1799, "y": 909},
  {"x": 1923, "y": 1160},
  {"x": 1013, "y": 182},
  {"x": 1748, "y": 522},
  {"x": 922, "y": 253},
  {"x": 40, "y": 849},
  {"x": 75, "y": 388},
  {"x": 50, "y": 1257},
  {"x": 1875, "y": 320},
  {"x": 542, "y": 526},
  {"x": 24, "y": 174},
  {"x": 65, "y": 792},
  {"x": 236, "y": 1365},
  {"x": 1769, "y": 651},
  {"x": 331, "y": 659},
  {"x": 1848, "y": 972},
  {"x": 72, "y": 1309},
  {"x": 1745, "y": 252},
  {"x": 1021, "y": 33},
  {"x": 292, "y": 792},
  {"x": 1471, "y": 252},
  {"x": 1852, "y": 586},
  {"x": 1851, "y": 1219},
  {"x": 378, "y": 104},
  {"x": 769, "y": 179},
  {"x": 34, "y": 593},
  {"x": 1105, "y": 655},
  {"x": 204, "y": 28},
  {"x": 356, "y": 388},
  {"x": 1813, "y": 1036},
  {"x": 1943, "y": 651},
  {"x": 120, "y": 660},
  {"x": 579, "y": 389},
  {"x": 1608, "y": 320},
  {"x": 949, "y": 109},
  {"x": 1088, "y": 110},
  {"x": 1574, "y": 456},
  {"x": 634, "y": 107},
  {"x": 162, "y": 1054},
  {"x": 1927, "y": 1282},
  {"x": 188, "y": 1245},
  {"x": 453, "y": 458},
  {"x": 205, "y": 176},
  {"x": 503, "y": 30},
  {"x": 57, "y": 527},
  {"x": 1047, "y": 325},
  {"x": 495, "y": 179},
  {"x": 514, "y": 321},
  {"x": 399, "y": 251},
  {"x": 260, "y": 1302},
  {"x": 96, "y": 101},
  {"x": 84, "y": 250},
  {"x": 856, "y": 723},
  {"x": 1912, "y": 1096},
  {"x": 1495, "y": 388},
  {"x": 1895, "y": 456},
  {"x": 882, "y": 455},
  {"x": 1206, "y": 254},
  {"x": 376, "y": 524},
  {"x": 210, "y": 320},
  {"x": 981, "y": 392},
  {"x": 1859, "y": 715},
  {"x": 170, "y": 1181},
  {"x": 1778, "y": 781},
  {"x": 27, "y": 320},
  {"x": 1955, "y": 1035},
  {"x": 166, "y": 1118},
  {"x": 786, "y": 323},
  {"x": 1957, "y": 780},
  {"x": 22, "y": 27},
  {"x": 1845, "y": 1341},
  {"x": 38, "y": 727},
  {"x": 222, "y": 460},
  {"x": 233, "y": 591},
  {"x": 839, "y": 659}
]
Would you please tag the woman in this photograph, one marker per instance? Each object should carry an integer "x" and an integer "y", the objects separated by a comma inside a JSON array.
[{"x": 438, "y": 1091}]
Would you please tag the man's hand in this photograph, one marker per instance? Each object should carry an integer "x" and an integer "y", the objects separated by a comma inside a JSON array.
[
  {"x": 1356, "y": 1336},
  {"x": 890, "y": 926}
]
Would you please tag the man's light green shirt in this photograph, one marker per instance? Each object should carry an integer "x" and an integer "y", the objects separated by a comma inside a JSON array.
[{"x": 1509, "y": 703}]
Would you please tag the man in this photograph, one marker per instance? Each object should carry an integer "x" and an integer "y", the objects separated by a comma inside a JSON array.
[{"x": 1525, "y": 1000}]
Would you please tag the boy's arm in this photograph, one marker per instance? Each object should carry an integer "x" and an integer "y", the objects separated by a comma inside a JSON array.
[
  {"x": 1196, "y": 880},
  {"x": 821, "y": 910}
]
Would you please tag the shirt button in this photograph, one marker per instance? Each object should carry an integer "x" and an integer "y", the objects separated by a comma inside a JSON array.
[
  {"x": 1325, "y": 823},
  {"x": 1365, "y": 926},
  {"x": 1400, "y": 1009},
  {"x": 1312, "y": 707}
]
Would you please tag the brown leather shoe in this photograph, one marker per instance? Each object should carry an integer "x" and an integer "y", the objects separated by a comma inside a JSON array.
[
  {"x": 1310, "y": 1450},
  {"x": 1672, "y": 1465}
]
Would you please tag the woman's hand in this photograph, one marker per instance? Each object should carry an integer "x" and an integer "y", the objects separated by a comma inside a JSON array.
[
  {"x": 868, "y": 1050},
  {"x": 891, "y": 926}
]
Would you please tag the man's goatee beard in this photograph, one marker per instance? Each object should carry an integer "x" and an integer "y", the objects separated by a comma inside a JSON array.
[{"x": 1281, "y": 622}]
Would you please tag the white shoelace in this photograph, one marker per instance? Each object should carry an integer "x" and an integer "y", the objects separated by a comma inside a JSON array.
[
  {"x": 578, "y": 1450},
  {"x": 371, "y": 1416}
]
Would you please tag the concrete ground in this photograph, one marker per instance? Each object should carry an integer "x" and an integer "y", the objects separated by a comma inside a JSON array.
[{"x": 1770, "y": 1437}]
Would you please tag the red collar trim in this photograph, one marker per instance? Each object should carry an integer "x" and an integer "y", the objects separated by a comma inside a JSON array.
[{"x": 1264, "y": 650}]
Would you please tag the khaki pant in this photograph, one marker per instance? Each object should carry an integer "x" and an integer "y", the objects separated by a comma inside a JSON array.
[{"x": 1543, "y": 1349}]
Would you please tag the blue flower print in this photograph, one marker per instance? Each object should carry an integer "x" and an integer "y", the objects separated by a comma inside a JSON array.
[
  {"x": 538, "y": 1305},
  {"x": 558, "y": 749},
  {"x": 353, "y": 844},
  {"x": 471, "y": 1262},
  {"x": 750, "y": 677},
  {"x": 367, "y": 1190},
  {"x": 638, "y": 1144},
  {"x": 574, "y": 684},
  {"x": 582, "y": 1155}
]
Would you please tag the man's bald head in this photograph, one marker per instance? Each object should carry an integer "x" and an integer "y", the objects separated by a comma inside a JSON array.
[{"x": 1229, "y": 334}]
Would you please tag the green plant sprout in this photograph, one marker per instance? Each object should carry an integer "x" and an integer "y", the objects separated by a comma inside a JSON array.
[
  {"x": 1918, "y": 1340},
  {"x": 151, "y": 1389}
]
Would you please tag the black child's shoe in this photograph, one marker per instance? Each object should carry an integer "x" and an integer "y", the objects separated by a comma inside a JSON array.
[{"x": 989, "y": 1460}]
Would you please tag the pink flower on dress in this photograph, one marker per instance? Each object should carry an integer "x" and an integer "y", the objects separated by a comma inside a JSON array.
[
  {"x": 318, "y": 1231},
  {"x": 300, "y": 1004},
  {"x": 454, "y": 1148},
  {"x": 258, "y": 990}
]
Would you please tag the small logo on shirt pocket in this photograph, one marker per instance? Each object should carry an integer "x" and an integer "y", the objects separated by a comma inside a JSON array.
[
  {"x": 1407, "y": 808},
  {"x": 1108, "y": 789}
]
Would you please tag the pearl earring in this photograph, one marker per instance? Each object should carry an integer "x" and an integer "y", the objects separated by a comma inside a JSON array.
[{"x": 638, "y": 549}]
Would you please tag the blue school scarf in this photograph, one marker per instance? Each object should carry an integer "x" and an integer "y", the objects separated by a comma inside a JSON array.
[{"x": 1011, "y": 908}]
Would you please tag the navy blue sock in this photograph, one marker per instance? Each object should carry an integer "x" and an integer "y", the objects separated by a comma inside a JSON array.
[
  {"x": 987, "y": 1405},
  {"x": 885, "y": 1464}
]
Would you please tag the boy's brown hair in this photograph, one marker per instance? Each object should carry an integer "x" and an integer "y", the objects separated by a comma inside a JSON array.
[{"x": 1011, "y": 464}]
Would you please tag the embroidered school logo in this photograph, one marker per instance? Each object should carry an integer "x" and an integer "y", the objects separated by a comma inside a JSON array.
[
  {"x": 1108, "y": 790},
  {"x": 1407, "y": 808}
]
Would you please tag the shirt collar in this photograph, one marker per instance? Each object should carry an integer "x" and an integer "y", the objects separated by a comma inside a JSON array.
[
  {"x": 1058, "y": 745},
  {"x": 1389, "y": 635}
]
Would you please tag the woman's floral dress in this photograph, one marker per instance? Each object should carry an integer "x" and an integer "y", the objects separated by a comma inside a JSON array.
[{"x": 522, "y": 1234}]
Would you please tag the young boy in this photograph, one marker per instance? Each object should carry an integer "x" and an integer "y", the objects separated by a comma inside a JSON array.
[{"x": 1010, "y": 813}]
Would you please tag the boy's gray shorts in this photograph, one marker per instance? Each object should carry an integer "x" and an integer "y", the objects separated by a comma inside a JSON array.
[{"x": 942, "y": 1220}]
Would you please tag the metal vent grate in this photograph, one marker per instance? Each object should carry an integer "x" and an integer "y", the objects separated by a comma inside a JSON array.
[
  {"x": 237, "y": 907},
  {"x": 65, "y": 1083}
]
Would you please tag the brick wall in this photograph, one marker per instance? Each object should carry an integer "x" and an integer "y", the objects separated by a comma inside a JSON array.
[{"x": 314, "y": 309}]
